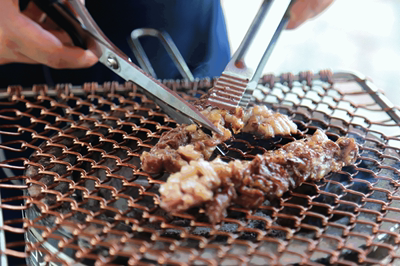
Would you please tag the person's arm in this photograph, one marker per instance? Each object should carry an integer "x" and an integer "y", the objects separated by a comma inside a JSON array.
[
  {"x": 302, "y": 10},
  {"x": 25, "y": 39}
]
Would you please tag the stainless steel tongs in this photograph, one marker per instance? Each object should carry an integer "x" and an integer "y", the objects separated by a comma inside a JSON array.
[
  {"x": 237, "y": 83},
  {"x": 74, "y": 18}
]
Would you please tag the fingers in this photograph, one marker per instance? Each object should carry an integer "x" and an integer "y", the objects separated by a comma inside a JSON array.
[
  {"x": 42, "y": 46},
  {"x": 37, "y": 15},
  {"x": 302, "y": 10},
  {"x": 17, "y": 58},
  {"x": 27, "y": 38},
  {"x": 63, "y": 37}
]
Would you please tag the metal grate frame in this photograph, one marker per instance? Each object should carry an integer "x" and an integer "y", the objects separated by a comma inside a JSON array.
[{"x": 74, "y": 192}]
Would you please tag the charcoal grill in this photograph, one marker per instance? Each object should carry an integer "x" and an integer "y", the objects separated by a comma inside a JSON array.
[{"x": 87, "y": 141}]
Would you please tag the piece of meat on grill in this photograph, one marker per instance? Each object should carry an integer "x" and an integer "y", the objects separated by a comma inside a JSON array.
[
  {"x": 170, "y": 153},
  {"x": 267, "y": 176},
  {"x": 176, "y": 147},
  {"x": 261, "y": 121},
  {"x": 257, "y": 119}
]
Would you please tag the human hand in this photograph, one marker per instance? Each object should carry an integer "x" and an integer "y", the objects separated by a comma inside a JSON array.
[
  {"x": 302, "y": 10},
  {"x": 26, "y": 38}
]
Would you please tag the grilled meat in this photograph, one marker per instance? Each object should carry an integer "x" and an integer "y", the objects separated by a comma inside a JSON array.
[
  {"x": 170, "y": 153},
  {"x": 267, "y": 176},
  {"x": 176, "y": 148},
  {"x": 216, "y": 208},
  {"x": 261, "y": 121}
]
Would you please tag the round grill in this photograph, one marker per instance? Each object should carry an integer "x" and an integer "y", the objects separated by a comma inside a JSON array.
[{"x": 74, "y": 151}]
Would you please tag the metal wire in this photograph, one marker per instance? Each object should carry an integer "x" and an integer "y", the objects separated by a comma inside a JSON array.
[{"x": 86, "y": 200}]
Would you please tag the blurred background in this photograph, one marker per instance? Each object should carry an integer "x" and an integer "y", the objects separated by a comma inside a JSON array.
[{"x": 361, "y": 35}]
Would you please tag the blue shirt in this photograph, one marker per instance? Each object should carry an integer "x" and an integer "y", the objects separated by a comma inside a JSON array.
[{"x": 196, "y": 26}]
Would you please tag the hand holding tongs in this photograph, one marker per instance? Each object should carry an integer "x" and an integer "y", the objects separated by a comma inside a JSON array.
[
  {"x": 237, "y": 83},
  {"x": 73, "y": 17}
]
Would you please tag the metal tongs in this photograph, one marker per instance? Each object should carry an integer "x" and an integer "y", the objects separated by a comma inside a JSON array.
[
  {"x": 74, "y": 18},
  {"x": 237, "y": 83}
]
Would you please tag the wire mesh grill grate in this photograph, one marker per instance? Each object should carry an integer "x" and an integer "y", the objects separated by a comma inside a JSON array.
[{"x": 74, "y": 152}]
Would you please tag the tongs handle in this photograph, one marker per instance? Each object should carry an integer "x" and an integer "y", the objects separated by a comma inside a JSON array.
[
  {"x": 253, "y": 53},
  {"x": 250, "y": 58},
  {"x": 62, "y": 15}
]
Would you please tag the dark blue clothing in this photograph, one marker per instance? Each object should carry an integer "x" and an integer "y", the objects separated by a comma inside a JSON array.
[{"x": 196, "y": 26}]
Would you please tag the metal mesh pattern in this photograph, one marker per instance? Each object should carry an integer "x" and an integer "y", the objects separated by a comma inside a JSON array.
[{"x": 74, "y": 152}]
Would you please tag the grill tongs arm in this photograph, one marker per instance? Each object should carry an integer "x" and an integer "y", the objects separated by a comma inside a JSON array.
[
  {"x": 237, "y": 83},
  {"x": 74, "y": 18}
]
